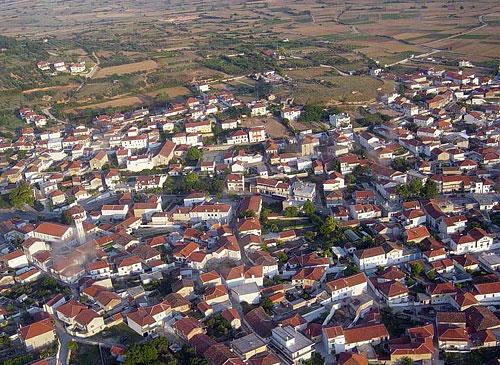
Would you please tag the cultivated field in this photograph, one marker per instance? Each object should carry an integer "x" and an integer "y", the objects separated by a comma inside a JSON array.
[
  {"x": 126, "y": 68},
  {"x": 152, "y": 51}
]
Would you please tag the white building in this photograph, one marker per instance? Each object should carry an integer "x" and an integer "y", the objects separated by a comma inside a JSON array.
[
  {"x": 292, "y": 344},
  {"x": 341, "y": 120}
]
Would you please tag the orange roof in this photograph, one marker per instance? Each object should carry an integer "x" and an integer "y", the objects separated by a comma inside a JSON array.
[{"x": 36, "y": 329}]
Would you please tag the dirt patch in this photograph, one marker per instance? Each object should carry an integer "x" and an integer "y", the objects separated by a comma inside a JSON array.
[
  {"x": 171, "y": 92},
  {"x": 274, "y": 128},
  {"x": 115, "y": 103},
  {"x": 126, "y": 68},
  {"x": 49, "y": 88}
]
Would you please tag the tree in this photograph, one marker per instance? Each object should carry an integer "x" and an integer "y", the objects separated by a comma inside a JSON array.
[
  {"x": 405, "y": 361},
  {"x": 335, "y": 165},
  {"x": 291, "y": 212},
  {"x": 309, "y": 208},
  {"x": 430, "y": 189},
  {"x": 282, "y": 257},
  {"x": 431, "y": 275},
  {"x": 194, "y": 154},
  {"x": 169, "y": 185},
  {"x": 351, "y": 269},
  {"x": 141, "y": 354},
  {"x": 72, "y": 346},
  {"x": 400, "y": 164},
  {"x": 267, "y": 305},
  {"x": 218, "y": 327},
  {"x": 329, "y": 226},
  {"x": 263, "y": 89},
  {"x": 247, "y": 213},
  {"x": 416, "y": 268},
  {"x": 313, "y": 113},
  {"x": 350, "y": 179},
  {"x": 191, "y": 181},
  {"x": 22, "y": 195}
]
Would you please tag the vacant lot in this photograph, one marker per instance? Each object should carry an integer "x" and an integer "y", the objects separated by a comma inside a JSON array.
[
  {"x": 114, "y": 103},
  {"x": 273, "y": 126},
  {"x": 127, "y": 68}
]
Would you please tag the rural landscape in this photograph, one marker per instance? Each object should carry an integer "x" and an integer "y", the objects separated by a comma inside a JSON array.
[{"x": 269, "y": 182}]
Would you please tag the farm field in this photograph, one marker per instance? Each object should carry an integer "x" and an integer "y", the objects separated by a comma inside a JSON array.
[
  {"x": 126, "y": 68},
  {"x": 151, "y": 52}
]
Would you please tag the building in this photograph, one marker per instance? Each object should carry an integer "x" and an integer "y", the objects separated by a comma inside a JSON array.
[
  {"x": 38, "y": 335},
  {"x": 248, "y": 346},
  {"x": 337, "y": 339},
  {"x": 341, "y": 120},
  {"x": 292, "y": 344}
]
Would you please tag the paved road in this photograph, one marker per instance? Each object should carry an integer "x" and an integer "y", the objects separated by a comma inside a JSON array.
[{"x": 62, "y": 357}]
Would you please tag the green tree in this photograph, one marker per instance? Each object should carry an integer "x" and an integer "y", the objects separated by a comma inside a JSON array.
[
  {"x": 291, "y": 211},
  {"x": 268, "y": 305},
  {"x": 169, "y": 185},
  {"x": 350, "y": 179},
  {"x": 309, "y": 208},
  {"x": 416, "y": 268},
  {"x": 22, "y": 195},
  {"x": 313, "y": 113},
  {"x": 351, "y": 269},
  {"x": 405, "y": 361},
  {"x": 431, "y": 275},
  {"x": 218, "y": 327},
  {"x": 329, "y": 226},
  {"x": 191, "y": 181},
  {"x": 430, "y": 189},
  {"x": 247, "y": 213},
  {"x": 140, "y": 354},
  {"x": 73, "y": 346},
  {"x": 194, "y": 154}
]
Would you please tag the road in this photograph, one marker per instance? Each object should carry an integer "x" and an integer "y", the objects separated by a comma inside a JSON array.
[
  {"x": 47, "y": 112},
  {"x": 341, "y": 73},
  {"x": 62, "y": 357},
  {"x": 481, "y": 20}
]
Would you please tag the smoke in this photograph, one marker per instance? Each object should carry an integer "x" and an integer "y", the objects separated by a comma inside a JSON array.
[{"x": 70, "y": 258}]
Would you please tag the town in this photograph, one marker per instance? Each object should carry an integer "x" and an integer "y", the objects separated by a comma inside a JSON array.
[{"x": 190, "y": 234}]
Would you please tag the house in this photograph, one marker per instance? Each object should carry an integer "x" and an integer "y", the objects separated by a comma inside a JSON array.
[
  {"x": 417, "y": 345},
  {"x": 237, "y": 137},
  {"x": 89, "y": 322},
  {"x": 291, "y": 114},
  {"x": 386, "y": 255},
  {"x": 235, "y": 183},
  {"x": 38, "y": 334},
  {"x": 337, "y": 339},
  {"x": 476, "y": 240},
  {"x": 211, "y": 212},
  {"x": 14, "y": 260},
  {"x": 347, "y": 287},
  {"x": 99, "y": 160},
  {"x": 231, "y": 315},
  {"x": 52, "y": 232},
  {"x": 247, "y": 292},
  {"x": 129, "y": 265},
  {"x": 145, "y": 320},
  {"x": 341, "y": 120},
  {"x": 293, "y": 345},
  {"x": 393, "y": 292},
  {"x": 309, "y": 277},
  {"x": 188, "y": 327},
  {"x": 488, "y": 293},
  {"x": 248, "y": 346},
  {"x": 257, "y": 134}
]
